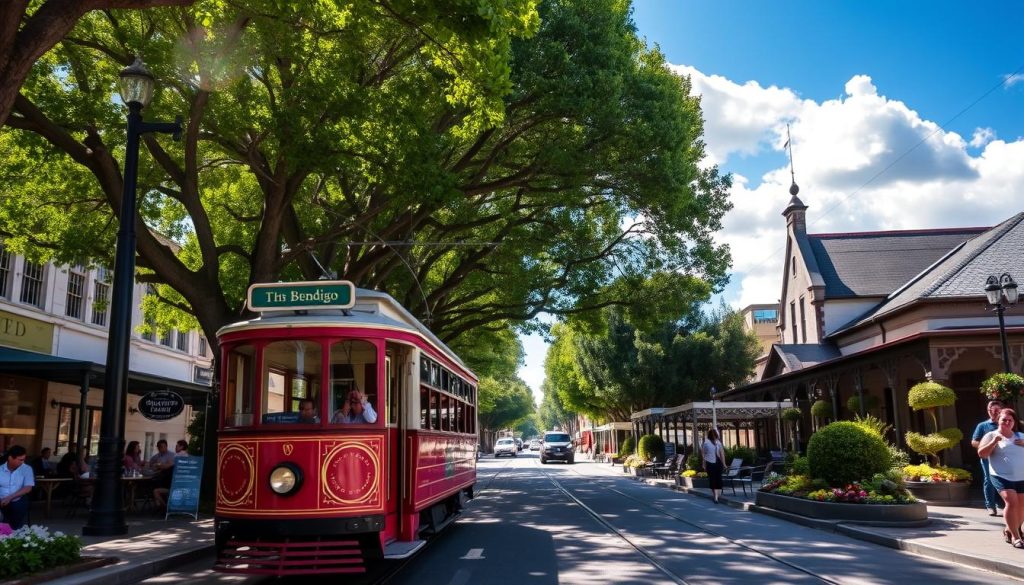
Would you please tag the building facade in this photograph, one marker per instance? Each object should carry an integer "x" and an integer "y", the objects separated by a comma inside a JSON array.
[{"x": 53, "y": 342}]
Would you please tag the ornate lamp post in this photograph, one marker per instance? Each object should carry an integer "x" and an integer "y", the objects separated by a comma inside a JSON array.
[
  {"x": 714, "y": 413},
  {"x": 106, "y": 516},
  {"x": 996, "y": 289}
]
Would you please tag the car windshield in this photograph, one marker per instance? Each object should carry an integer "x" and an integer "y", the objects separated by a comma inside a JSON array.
[
  {"x": 556, "y": 438},
  {"x": 504, "y": 441}
]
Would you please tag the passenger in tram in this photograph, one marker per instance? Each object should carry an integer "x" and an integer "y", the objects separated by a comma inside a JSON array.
[
  {"x": 355, "y": 409},
  {"x": 307, "y": 411}
]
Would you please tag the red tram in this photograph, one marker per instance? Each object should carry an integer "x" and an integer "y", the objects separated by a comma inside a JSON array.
[{"x": 348, "y": 432}]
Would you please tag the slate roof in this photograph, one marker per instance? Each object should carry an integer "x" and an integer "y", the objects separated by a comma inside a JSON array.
[
  {"x": 878, "y": 263},
  {"x": 963, "y": 272},
  {"x": 797, "y": 356}
]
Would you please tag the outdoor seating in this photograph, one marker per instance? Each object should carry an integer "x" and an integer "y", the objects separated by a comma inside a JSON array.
[
  {"x": 732, "y": 473},
  {"x": 667, "y": 471},
  {"x": 750, "y": 476}
]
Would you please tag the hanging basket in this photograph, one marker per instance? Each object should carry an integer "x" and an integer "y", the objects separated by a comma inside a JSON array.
[{"x": 1004, "y": 387}]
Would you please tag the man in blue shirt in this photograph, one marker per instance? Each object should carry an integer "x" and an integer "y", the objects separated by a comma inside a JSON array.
[
  {"x": 16, "y": 482},
  {"x": 983, "y": 428}
]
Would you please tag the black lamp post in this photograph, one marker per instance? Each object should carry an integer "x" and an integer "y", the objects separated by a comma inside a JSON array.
[
  {"x": 996, "y": 289},
  {"x": 106, "y": 515}
]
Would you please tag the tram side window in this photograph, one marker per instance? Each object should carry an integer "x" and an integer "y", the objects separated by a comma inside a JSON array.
[
  {"x": 291, "y": 374},
  {"x": 239, "y": 387},
  {"x": 424, "y": 407},
  {"x": 354, "y": 394}
]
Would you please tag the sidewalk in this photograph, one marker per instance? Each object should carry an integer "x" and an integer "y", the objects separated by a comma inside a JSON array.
[
  {"x": 967, "y": 535},
  {"x": 152, "y": 546}
]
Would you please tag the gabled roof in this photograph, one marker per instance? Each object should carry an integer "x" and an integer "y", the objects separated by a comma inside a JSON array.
[
  {"x": 797, "y": 356},
  {"x": 962, "y": 273},
  {"x": 874, "y": 264}
]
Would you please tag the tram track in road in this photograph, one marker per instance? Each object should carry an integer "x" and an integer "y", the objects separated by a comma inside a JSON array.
[{"x": 651, "y": 557}]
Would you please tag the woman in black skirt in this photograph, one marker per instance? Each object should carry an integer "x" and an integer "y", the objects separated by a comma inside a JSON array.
[{"x": 714, "y": 461}]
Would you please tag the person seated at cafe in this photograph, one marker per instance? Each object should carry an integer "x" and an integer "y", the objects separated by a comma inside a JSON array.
[
  {"x": 68, "y": 460},
  {"x": 16, "y": 483},
  {"x": 42, "y": 465},
  {"x": 132, "y": 462},
  {"x": 161, "y": 460},
  {"x": 162, "y": 481},
  {"x": 355, "y": 409},
  {"x": 181, "y": 448},
  {"x": 307, "y": 411}
]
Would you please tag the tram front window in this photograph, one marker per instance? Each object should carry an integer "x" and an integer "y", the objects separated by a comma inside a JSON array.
[
  {"x": 353, "y": 390},
  {"x": 291, "y": 378}
]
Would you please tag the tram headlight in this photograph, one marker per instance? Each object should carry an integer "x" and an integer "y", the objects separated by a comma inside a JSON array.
[{"x": 285, "y": 479}]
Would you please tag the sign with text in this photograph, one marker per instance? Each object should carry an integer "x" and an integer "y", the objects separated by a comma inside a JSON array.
[
  {"x": 25, "y": 333},
  {"x": 161, "y": 405},
  {"x": 183, "y": 497},
  {"x": 670, "y": 450},
  {"x": 298, "y": 296}
]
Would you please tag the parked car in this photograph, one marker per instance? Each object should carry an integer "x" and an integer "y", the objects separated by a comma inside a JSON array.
[
  {"x": 557, "y": 445},
  {"x": 535, "y": 445},
  {"x": 505, "y": 447}
]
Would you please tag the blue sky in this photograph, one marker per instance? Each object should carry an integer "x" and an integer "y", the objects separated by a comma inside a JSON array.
[{"x": 904, "y": 115}]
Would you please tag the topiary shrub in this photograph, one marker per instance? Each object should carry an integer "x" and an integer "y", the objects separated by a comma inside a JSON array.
[
  {"x": 853, "y": 403},
  {"x": 651, "y": 446},
  {"x": 821, "y": 409},
  {"x": 844, "y": 452},
  {"x": 928, "y": 396},
  {"x": 791, "y": 415},
  {"x": 627, "y": 447}
]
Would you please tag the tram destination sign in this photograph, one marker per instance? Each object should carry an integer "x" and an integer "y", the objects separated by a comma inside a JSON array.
[{"x": 297, "y": 296}]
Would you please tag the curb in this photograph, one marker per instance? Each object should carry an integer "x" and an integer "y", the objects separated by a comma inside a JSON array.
[{"x": 124, "y": 572}]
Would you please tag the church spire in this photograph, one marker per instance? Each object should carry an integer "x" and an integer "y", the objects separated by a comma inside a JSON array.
[{"x": 795, "y": 212}]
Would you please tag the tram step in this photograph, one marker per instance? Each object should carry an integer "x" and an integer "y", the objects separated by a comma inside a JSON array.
[
  {"x": 402, "y": 549},
  {"x": 289, "y": 557}
]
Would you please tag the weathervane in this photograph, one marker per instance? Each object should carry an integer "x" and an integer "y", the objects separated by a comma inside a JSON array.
[{"x": 793, "y": 188}]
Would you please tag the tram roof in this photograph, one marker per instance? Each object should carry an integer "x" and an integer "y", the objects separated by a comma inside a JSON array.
[{"x": 373, "y": 308}]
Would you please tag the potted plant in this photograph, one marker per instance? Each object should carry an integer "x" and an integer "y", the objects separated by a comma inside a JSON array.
[
  {"x": 943, "y": 489},
  {"x": 1004, "y": 387},
  {"x": 793, "y": 416},
  {"x": 693, "y": 479}
]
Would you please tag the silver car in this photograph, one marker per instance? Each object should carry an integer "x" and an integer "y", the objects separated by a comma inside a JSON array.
[{"x": 505, "y": 447}]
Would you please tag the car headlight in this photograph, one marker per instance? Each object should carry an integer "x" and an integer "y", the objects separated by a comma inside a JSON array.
[{"x": 285, "y": 479}]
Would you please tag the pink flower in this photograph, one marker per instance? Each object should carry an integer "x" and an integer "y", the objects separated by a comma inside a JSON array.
[{"x": 5, "y": 529}]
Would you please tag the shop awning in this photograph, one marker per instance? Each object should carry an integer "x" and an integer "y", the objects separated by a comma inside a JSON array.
[{"x": 19, "y": 362}]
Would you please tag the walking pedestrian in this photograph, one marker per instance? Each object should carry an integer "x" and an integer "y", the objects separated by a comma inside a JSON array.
[
  {"x": 983, "y": 428},
  {"x": 714, "y": 462},
  {"x": 1004, "y": 449}
]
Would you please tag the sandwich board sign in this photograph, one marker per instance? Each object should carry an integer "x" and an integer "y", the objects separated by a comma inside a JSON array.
[{"x": 183, "y": 497}]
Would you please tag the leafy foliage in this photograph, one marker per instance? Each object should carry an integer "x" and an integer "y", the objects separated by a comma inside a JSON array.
[
  {"x": 503, "y": 403},
  {"x": 650, "y": 447},
  {"x": 925, "y": 472},
  {"x": 821, "y": 409},
  {"x": 853, "y": 403},
  {"x": 30, "y": 549},
  {"x": 844, "y": 452},
  {"x": 930, "y": 395},
  {"x": 1003, "y": 386},
  {"x": 628, "y": 447},
  {"x": 792, "y": 415},
  {"x": 746, "y": 454},
  {"x": 934, "y": 443}
]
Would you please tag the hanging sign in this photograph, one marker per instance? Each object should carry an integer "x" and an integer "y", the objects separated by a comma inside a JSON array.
[
  {"x": 299, "y": 296},
  {"x": 183, "y": 497},
  {"x": 161, "y": 405}
]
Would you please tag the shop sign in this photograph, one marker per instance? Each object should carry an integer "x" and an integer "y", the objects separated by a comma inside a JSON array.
[
  {"x": 201, "y": 375},
  {"x": 299, "y": 296},
  {"x": 161, "y": 405},
  {"x": 24, "y": 333}
]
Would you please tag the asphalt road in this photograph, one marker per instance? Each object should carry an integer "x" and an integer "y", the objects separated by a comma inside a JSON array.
[{"x": 557, "y": 523}]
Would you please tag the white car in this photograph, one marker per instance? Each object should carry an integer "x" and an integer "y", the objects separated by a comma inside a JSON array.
[{"x": 505, "y": 447}]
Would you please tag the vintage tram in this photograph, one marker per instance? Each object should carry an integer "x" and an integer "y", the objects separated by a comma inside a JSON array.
[{"x": 347, "y": 432}]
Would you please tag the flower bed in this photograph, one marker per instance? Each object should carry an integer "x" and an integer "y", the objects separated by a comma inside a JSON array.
[
  {"x": 909, "y": 514},
  {"x": 32, "y": 548},
  {"x": 938, "y": 486},
  {"x": 696, "y": 480}
]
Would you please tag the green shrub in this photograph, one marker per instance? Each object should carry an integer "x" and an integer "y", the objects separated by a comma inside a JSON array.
[
  {"x": 821, "y": 409},
  {"x": 934, "y": 443},
  {"x": 1005, "y": 387},
  {"x": 747, "y": 454},
  {"x": 695, "y": 461},
  {"x": 627, "y": 447},
  {"x": 853, "y": 403},
  {"x": 844, "y": 452},
  {"x": 31, "y": 549},
  {"x": 873, "y": 424},
  {"x": 930, "y": 395},
  {"x": 651, "y": 446},
  {"x": 791, "y": 414},
  {"x": 800, "y": 466}
]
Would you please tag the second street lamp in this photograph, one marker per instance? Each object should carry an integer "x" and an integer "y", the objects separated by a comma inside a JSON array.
[
  {"x": 106, "y": 515},
  {"x": 996, "y": 289}
]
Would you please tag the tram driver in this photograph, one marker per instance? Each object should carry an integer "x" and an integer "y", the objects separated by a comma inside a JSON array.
[
  {"x": 307, "y": 411},
  {"x": 355, "y": 409}
]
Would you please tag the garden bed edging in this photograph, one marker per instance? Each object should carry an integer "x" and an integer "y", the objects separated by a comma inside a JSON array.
[{"x": 861, "y": 513}]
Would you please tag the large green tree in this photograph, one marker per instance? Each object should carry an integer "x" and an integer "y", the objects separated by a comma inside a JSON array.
[
  {"x": 482, "y": 161},
  {"x": 28, "y": 29},
  {"x": 502, "y": 404}
]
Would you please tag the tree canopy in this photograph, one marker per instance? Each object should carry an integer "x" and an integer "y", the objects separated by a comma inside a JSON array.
[
  {"x": 623, "y": 369},
  {"x": 481, "y": 161}
]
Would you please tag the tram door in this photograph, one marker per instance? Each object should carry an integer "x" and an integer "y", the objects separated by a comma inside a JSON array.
[{"x": 395, "y": 407}]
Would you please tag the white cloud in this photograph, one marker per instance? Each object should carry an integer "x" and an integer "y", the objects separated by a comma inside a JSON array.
[
  {"x": 982, "y": 136},
  {"x": 1013, "y": 79},
  {"x": 863, "y": 162}
]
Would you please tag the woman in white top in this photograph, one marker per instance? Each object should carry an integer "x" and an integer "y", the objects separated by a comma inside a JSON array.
[
  {"x": 714, "y": 461},
  {"x": 1004, "y": 449}
]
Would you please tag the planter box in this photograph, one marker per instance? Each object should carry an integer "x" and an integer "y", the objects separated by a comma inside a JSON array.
[
  {"x": 940, "y": 493},
  {"x": 862, "y": 513},
  {"x": 692, "y": 482}
]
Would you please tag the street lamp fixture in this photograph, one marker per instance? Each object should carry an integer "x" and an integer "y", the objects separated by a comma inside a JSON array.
[
  {"x": 106, "y": 516},
  {"x": 997, "y": 289},
  {"x": 714, "y": 412}
]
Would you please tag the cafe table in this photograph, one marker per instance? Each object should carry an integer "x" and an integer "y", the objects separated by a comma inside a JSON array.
[
  {"x": 48, "y": 484},
  {"x": 130, "y": 482}
]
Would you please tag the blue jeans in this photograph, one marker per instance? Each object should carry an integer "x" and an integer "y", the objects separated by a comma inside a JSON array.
[
  {"x": 992, "y": 498},
  {"x": 16, "y": 513}
]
